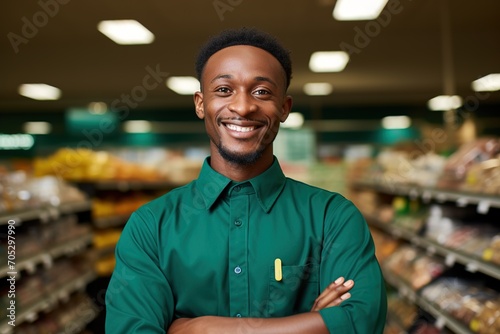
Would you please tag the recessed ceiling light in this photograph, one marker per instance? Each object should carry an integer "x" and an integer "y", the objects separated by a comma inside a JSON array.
[
  {"x": 40, "y": 91},
  {"x": 183, "y": 85},
  {"x": 445, "y": 102},
  {"x": 294, "y": 121},
  {"x": 37, "y": 128},
  {"x": 126, "y": 32},
  {"x": 318, "y": 88},
  {"x": 396, "y": 122},
  {"x": 352, "y": 10},
  {"x": 137, "y": 126},
  {"x": 328, "y": 61},
  {"x": 97, "y": 108},
  {"x": 488, "y": 83}
]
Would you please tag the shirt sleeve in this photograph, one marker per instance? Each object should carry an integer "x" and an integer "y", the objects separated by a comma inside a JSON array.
[
  {"x": 349, "y": 252},
  {"x": 139, "y": 298}
]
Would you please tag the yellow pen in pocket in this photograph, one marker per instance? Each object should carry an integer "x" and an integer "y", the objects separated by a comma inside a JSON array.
[{"x": 278, "y": 273}]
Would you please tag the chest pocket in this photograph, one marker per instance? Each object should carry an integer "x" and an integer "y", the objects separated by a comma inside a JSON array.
[{"x": 295, "y": 293}]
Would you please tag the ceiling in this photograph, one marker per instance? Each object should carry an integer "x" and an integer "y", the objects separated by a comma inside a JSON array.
[{"x": 400, "y": 61}]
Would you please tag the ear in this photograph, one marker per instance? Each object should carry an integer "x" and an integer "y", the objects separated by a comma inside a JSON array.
[
  {"x": 286, "y": 108},
  {"x": 198, "y": 104}
]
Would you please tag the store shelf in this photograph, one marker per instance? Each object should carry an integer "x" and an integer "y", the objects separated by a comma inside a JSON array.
[
  {"x": 44, "y": 213},
  {"x": 461, "y": 198},
  {"x": 442, "y": 318},
  {"x": 451, "y": 256},
  {"x": 46, "y": 303},
  {"x": 46, "y": 257}
]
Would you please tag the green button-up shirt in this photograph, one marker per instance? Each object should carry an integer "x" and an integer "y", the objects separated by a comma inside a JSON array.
[{"x": 209, "y": 248}]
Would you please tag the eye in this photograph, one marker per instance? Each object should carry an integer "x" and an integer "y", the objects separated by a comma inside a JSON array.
[
  {"x": 262, "y": 92},
  {"x": 223, "y": 90}
]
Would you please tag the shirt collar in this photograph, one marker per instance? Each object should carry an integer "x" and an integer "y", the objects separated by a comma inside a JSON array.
[{"x": 267, "y": 186}]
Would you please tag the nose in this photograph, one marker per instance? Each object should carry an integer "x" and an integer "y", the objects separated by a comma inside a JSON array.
[{"x": 242, "y": 104}]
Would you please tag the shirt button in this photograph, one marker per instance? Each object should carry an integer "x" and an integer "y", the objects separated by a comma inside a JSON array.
[
  {"x": 237, "y": 222},
  {"x": 238, "y": 315},
  {"x": 237, "y": 188},
  {"x": 237, "y": 270}
]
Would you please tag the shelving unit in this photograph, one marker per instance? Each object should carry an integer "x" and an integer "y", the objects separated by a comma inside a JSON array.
[
  {"x": 427, "y": 194},
  {"x": 44, "y": 213},
  {"x": 472, "y": 263},
  {"x": 54, "y": 298}
]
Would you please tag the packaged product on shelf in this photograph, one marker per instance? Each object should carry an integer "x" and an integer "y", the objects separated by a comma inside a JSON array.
[
  {"x": 492, "y": 252},
  {"x": 385, "y": 245},
  {"x": 460, "y": 163},
  {"x": 414, "y": 267},
  {"x": 462, "y": 299},
  {"x": 405, "y": 312},
  {"x": 22, "y": 191},
  {"x": 406, "y": 164},
  {"x": 483, "y": 177},
  {"x": 487, "y": 320}
]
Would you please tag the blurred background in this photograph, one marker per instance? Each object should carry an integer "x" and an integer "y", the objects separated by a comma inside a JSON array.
[{"x": 396, "y": 106}]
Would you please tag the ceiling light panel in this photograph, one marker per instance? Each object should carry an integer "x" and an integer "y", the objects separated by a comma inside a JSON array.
[
  {"x": 445, "y": 102},
  {"x": 318, "y": 88},
  {"x": 328, "y": 61},
  {"x": 139, "y": 126},
  {"x": 354, "y": 10},
  {"x": 183, "y": 85},
  {"x": 396, "y": 122},
  {"x": 489, "y": 83},
  {"x": 40, "y": 91},
  {"x": 37, "y": 128},
  {"x": 126, "y": 32}
]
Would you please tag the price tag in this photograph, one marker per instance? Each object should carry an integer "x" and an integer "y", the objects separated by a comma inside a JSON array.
[
  {"x": 441, "y": 198},
  {"x": 31, "y": 317},
  {"x": 413, "y": 193},
  {"x": 450, "y": 260},
  {"x": 30, "y": 267},
  {"x": 426, "y": 196},
  {"x": 471, "y": 267},
  {"x": 63, "y": 296},
  {"x": 483, "y": 207},
  {"x": 462, "y": 202},
  {"x": 44, "y": 216},
  {"x": 440, "y": 322},
  {"x": 47, "y": 261}
]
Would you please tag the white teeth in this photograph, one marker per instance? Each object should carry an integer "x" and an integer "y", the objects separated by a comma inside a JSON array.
[{"x": 240, "y": 128}]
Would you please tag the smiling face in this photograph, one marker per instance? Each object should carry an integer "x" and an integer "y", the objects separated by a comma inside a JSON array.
[{"x": 243, "y": 101}]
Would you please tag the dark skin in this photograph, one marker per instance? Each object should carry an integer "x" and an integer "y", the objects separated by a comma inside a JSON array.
[{"x": 243, "y": 101}]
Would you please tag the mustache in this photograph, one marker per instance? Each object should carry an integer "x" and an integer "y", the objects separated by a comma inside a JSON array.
[{"x": 241, "y": 119}]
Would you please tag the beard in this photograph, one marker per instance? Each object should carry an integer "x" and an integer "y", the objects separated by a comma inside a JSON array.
[{"x": 239, "y": 159}]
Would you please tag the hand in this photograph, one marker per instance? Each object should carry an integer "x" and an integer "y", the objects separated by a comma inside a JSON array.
[{"x": 333, "y": 295}]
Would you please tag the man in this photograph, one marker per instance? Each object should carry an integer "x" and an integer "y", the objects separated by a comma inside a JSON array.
[{"x": 243, "y": 249}]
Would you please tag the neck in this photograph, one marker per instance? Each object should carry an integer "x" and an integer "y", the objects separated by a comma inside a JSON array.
[{"x": 238, "y": 172}]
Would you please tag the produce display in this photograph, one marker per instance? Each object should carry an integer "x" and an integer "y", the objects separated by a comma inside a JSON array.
[{"x": 85, "y": 165}]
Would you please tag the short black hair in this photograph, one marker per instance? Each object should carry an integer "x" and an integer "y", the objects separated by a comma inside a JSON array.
[{"x": 245, "y": 36}]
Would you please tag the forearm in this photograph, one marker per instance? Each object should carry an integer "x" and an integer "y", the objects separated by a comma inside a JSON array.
[{"x": 305, "y": 323}]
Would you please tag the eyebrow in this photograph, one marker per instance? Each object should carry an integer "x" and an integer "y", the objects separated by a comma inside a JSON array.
[{"x": 257, "y": 78}]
